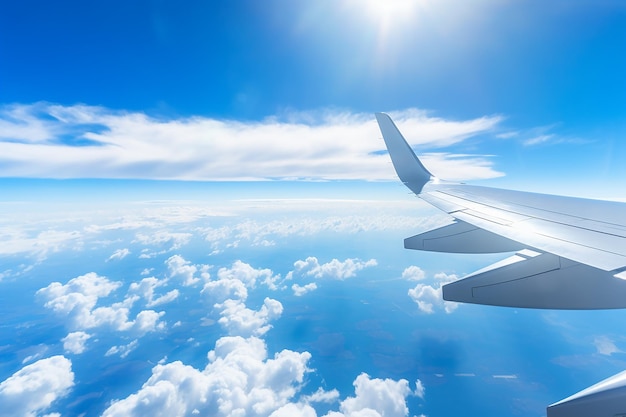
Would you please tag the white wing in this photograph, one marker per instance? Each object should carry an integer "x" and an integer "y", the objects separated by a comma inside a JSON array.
[{"x": 571, "y": 252}]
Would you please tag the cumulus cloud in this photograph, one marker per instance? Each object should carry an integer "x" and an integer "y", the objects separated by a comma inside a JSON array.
[
  {"x": 334, "y": 269},
  {"x": 375, "y": 398},
  {"x": 429, "y": 297},
  {"x": 413, "y": 273},
  {"x": 247, "y": 274},
  {"x": 181, "y": 269},
  {"x": 119, "y": 254},
  {"x": 299, "y": 291},
  {"x": 35, "y": 387},
  {"x": 75, "y": 342},
  {"x": 234, "y": 282},
  {"x": 78, "y": 298},
  {"x": 239, "y": 380},
  {"x": 121, "y": 144},
  {"x": 146, "y": 287},
  {"x": 237, "y": 319}
]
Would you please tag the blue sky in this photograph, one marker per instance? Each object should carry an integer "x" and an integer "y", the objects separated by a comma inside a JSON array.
[
  {"x": 157, "y": 155},
  {"x": 546, "y": 80}
]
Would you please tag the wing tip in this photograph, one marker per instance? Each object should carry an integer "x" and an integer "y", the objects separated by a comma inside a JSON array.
[{"x": 409, "y": 168}]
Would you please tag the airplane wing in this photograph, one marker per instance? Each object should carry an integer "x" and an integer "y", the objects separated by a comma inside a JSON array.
[{"x": 570, "y": 253}]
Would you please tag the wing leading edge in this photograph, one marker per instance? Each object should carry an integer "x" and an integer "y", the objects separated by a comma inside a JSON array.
[{"x": 570, "y": 252}]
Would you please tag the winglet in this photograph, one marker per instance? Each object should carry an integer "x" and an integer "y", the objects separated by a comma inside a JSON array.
[{"x": 408, "y": 167}]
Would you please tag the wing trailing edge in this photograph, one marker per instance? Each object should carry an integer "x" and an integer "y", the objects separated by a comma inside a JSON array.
[
  {"x": 461, "y": 237},
  {"x": 531, "y": 279}
]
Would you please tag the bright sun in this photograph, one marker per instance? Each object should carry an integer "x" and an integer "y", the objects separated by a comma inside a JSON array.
[{"x": 386, "y": 10}]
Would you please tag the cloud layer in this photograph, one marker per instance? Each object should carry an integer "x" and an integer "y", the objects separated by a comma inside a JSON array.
[{"x": 80, "y": 141}]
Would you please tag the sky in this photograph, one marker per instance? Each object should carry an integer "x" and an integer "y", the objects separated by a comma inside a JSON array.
[
  {"x": 522, "y": 92},
  {"x": 164, "y": 164}
]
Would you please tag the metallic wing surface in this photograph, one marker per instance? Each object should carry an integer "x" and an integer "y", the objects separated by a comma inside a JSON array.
[{"x": 570, "y": 253}]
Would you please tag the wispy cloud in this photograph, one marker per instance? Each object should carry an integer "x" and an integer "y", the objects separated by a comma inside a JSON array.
[
  {"x": 80, "y": 141},
  {"x": 605, "y": 346}
]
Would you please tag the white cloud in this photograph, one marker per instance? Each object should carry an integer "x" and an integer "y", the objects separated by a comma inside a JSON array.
[
  {"x": 39, "y": 243},
  {"x": 420, "y": 390},
  {"x": 239, "y": 320},
  {"x": 322, "y": 396},
  {"x": 605, "y": 346},
  {"x": 301, "y": 290},
  {"x": 223, "y": 289},
  {"x": 239, "y": 380},
  {"x": 329, "y": 145},
  {"x": 234, "y": 282},
  {"x": 75, "y": 342},
  {"x": 536, "y": 140},
  {"x": 164, "y": 299},
  {"x": 35, "y": 387},
  {"x": 146, "y": 287},
  {"x": 334, "y": 269},
  {"x": 179, "y": 268},
  {"x": 413, "y": 273},
  {"x": 429, "y": 297},
  {"x": 176, "y": 240},
  {"x": 294, "y": 410},
  {"x": 247, "y": 274},
  {"x": 376, "y": 398},
  {"x": 78, "y": 298},
  {"x": 122, "y": 350},
  {"x": 119, "y": 254}
]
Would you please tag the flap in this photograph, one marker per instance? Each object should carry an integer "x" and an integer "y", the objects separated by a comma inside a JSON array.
[
  {"x": 530, "y": 279},
  {"x": 461, "y": 237}
]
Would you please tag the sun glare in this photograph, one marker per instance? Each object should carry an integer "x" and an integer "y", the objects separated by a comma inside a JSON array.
[{"x": 385, "y": 10}]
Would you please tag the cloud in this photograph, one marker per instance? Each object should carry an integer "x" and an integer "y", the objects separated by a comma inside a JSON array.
[
  {"x": 234, "y": 282},
  {"x": 605, "y": 346},
  {"x": 376, "y": 398},
  {"x": 35, "y": 387},
  {"x": 146, "y": 287},
  {"x": 75, "y": 342},
  {"x": 334, "y": 269},
  {"x": 14, "y": 241},
  {"x": 160, "y": 238},
  {"x": 247, "y": 274},
  {"x": 420, "y": 391},
  {"x": 299, "y": 291},
  {"x": 122, "y": 350},
  {"x": 239, "y": 380},
  {"x": 239, "y": 320},
  {"x": 429, "y": 297},
  {"x": 181, "y": 269},
  {"x": 322, "y": 396},
  {"x": 78, "y": 298},
  {"x": 413, "y": 273},
  {"x": 119, "y": 254},
  {"x": 536, "y": 140},
  {"x": 122, "y": 144}
]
